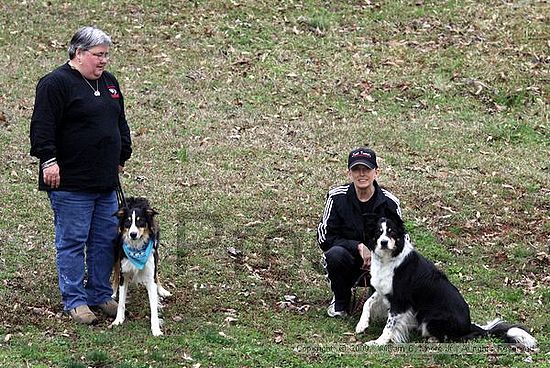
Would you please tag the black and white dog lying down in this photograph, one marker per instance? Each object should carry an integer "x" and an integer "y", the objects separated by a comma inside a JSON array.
[{"x": 415, "y": 295}]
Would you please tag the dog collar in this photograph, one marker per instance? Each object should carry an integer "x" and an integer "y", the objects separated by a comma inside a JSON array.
[{"x": 138, "y": 257}]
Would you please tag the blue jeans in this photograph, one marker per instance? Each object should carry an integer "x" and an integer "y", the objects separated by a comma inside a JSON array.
[{"x": 85, "y": 233}]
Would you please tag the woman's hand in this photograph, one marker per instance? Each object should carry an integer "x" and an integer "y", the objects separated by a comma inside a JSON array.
[
  {"x": 365, "y": 254},
  {"x": 51, "y": 176}
]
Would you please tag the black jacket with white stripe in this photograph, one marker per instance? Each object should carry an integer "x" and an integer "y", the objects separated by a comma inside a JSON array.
[{"x": 343, "y": 221}]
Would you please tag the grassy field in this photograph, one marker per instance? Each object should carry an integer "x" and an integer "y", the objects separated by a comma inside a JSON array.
[{"x": 242, "y": 114}]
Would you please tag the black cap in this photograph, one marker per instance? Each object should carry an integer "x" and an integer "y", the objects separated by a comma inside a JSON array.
[{"x": 362, "y": 156}]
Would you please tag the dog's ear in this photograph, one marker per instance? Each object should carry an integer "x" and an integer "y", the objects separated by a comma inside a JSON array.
[
  {"x": 121, "y": 213},
  {"x": 395, "y": 218},
  {"x": 400, "y": 224},
  {"x": 151, "y": 212},
  {"x": 152, "y": 222}
]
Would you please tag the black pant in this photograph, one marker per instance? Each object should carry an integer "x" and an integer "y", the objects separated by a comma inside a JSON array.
[{"x": 344, "y": 270}]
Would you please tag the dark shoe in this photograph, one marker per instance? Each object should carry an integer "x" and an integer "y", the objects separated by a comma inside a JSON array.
[
  {"x": 109, "y": 308},
  {"x": 83, "y": 315}
]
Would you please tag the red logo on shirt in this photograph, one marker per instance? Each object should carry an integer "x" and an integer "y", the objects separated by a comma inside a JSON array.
[{"x": 114, "y": 92}]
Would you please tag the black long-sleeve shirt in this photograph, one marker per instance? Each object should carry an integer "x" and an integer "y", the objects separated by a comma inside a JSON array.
[{"x": 88, "y": 135}]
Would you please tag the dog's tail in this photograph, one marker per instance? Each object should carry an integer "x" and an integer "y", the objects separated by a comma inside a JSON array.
[{"x": 511, "y": 333}]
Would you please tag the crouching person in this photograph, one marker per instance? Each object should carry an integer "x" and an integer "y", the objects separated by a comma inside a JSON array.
[{"x": 340, "y": 232}]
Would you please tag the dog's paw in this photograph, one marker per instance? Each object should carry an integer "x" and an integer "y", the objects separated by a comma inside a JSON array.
[
  {"x": 376, "y": 342},
  {"x": 117, "y": 322},
  {"x": 156, "y": 332},
  {"x": 361, "y": 327},
  {"x": 163, "y": 293}
]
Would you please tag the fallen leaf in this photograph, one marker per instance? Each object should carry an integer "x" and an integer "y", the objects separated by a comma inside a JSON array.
[
  {"x": 278, "y": 336},
  {"x": 290, "y": 298},
  {"x": 234, "y": 252},
  {"x": 229, "y": 320}
]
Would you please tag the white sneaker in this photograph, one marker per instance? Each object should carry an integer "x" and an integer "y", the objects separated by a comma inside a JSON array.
[{"x": 333, "y": 312}]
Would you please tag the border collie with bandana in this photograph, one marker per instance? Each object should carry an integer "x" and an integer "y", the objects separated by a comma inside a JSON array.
[
  {"x": 137, "y": 257},
  {"x": 413, "y": 294}
]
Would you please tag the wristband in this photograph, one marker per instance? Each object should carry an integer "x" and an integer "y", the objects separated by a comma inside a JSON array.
[{"x": 49, "y": 163}]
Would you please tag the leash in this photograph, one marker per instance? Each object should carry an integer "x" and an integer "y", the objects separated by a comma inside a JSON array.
[
  {"x": 356, "y": 304},
  {"x": 121, "y": 199}
]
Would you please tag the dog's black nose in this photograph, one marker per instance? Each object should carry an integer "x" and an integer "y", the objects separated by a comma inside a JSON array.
[
  {"x": 384, "y": 243},
  {"x": 133, "y": 235}
]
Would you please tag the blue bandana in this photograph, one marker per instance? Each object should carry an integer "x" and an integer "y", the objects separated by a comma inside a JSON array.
[{"x": 138, "y": 257}]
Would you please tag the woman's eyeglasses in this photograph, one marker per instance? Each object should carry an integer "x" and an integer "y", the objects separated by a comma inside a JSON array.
[{"x": 100, "y": 55}]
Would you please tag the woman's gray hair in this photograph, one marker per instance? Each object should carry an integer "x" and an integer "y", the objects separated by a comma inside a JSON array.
[{"x": 86, "y": 38}]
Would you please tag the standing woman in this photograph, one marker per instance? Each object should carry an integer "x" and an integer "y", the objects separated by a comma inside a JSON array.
[{"x": 80, "y": 135}]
